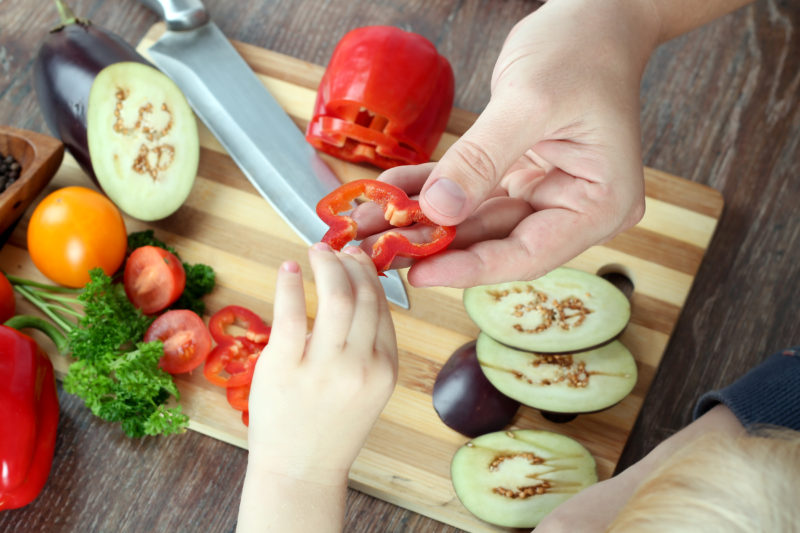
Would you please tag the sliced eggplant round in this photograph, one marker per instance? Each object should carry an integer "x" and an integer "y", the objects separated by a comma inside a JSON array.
[
  {"x": 515, "y": 478},
  {"x": 578, "y": 382},
  {"x": 143, "y": 140},
  {"x": 466, "y": 401},
  {"x": 564, "y": 311}
]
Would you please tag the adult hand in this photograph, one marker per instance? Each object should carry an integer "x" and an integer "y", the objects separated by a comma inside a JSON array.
[{"x": 553, "y": 164}]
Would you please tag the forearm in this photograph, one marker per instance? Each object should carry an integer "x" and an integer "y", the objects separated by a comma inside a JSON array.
[
  {"x": 676, "y": 17},
  {"x": 719, "y": 420},
  {"x": 277, "y": 503}
]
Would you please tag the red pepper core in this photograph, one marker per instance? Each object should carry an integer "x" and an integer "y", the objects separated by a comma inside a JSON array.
[
  {"x": 28, "y": 416},
  {"x": 384, "y": 99},
  {"x": 399, "y": 210}
]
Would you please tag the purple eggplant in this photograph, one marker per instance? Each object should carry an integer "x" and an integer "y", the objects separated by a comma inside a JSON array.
[
  {"x": 66, "y": 65},
  {"x": 126, "y": 123},
  {"x": 466, "y": 401}
]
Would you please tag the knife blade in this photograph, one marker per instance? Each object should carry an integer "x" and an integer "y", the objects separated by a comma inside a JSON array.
[{"x": 247, "y": 121}]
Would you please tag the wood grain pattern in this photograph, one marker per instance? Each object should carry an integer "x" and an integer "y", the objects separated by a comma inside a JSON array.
[
  {"x": 719, "y": 106},
  {"x": 406, "y": 459}
]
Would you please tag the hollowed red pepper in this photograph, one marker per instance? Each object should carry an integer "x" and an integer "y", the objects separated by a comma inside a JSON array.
[
  {"x": 384, "y": 99},
  {"x": 235, "y": 355},
  {"x": 28, "y": 416},
  {"x": 398, "y": 209}
]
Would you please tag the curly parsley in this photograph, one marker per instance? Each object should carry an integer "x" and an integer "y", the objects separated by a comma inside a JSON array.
[{"x": 115, "y": 374}]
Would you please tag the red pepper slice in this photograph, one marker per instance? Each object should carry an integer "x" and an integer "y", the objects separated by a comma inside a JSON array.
[
  {"x": 28, "y": 416},
  {"x": 384, "y": 99},
  {"x": 237, "y": 358},
  {"x": 399, "y": 210},
  {"x": 239, "y": 397},
  {"x": 220, "y": 325}
]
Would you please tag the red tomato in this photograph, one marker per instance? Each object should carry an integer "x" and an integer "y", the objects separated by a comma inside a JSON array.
[
  {"x": 8, "y": 305},
  {"x": 73, "y": 230},
  {"x": 154, "y": 279},
  {"x": 186, "y": 340}
]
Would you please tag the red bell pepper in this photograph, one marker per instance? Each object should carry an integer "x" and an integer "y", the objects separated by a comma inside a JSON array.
[
  {"x": 399, "y": 210},
  {"x": 235, "y": 355},
  {"x": 221, "y": 322},
  {"x": 384, "y": 99},
  {"x": 29, "y": 418}
]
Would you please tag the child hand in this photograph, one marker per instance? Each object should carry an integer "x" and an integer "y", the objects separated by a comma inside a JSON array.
[{"x": 315, "y": 397}]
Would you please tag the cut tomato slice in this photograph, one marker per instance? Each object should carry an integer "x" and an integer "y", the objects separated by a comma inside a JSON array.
[
  {"x": 153, "y": 279},
  {"x": 186, "y": 340}
]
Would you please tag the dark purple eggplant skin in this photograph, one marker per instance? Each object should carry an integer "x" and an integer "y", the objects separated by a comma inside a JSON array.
[
  {"x": 466, "y": 401},
  {"x": 67, "y": 62}
]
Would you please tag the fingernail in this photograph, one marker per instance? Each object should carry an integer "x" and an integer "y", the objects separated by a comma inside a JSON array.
[
  {"x": 322, "y": 247},
  {"x": 290, "y": 266},
  {"x": 352, "y": 250},
  {"x": 446, "y": 197}
]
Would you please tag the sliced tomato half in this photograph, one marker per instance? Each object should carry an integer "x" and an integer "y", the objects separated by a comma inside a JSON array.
[
  {"x": 186, "y": 339},
  {"x": 153, "y": 279}
]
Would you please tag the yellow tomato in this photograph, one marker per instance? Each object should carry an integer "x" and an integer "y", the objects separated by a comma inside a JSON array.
[{"x": 74, "y": 230}]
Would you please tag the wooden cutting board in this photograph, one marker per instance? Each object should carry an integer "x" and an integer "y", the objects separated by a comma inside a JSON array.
[{"x": 406, "y": 460}]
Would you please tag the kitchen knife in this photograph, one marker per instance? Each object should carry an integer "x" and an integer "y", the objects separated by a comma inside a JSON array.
[{"x": 252, "y": 127}]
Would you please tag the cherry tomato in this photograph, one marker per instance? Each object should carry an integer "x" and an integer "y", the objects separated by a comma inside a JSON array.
[
  {"x": 8, "y": 305},
  {"x": 186, "y": 340},
  {"x": 154, "y": 278},
  {"x": 73, "y": 230}
]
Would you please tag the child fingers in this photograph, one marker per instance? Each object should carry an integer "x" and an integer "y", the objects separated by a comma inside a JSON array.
[
  {"x": 336, "y": 302},
  {"x": 369, "y": 299},
  {"x": 289, "y": 325}
]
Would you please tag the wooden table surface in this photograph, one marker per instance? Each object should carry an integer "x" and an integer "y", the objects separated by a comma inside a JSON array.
[{"x": 719, "y": 106}]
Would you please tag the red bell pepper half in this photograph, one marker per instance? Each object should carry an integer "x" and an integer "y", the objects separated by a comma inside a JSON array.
[
  {"x": 28, "y": 416},
  {"x": 384, "y": 99},
  {"x": 399, "y": 210}
]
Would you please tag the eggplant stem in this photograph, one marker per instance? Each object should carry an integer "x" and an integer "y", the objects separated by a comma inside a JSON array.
[{"x": 65, "y": 12}]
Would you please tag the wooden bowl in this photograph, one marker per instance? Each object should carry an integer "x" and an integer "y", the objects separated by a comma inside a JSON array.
[{"x": 39, "y": 157}]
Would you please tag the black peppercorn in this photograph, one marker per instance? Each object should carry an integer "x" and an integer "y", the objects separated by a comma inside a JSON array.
[{"x": 9, "y": 171}]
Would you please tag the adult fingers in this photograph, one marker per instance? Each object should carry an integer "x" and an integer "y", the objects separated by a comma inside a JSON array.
[
  {"x": 369, "y": 216},
  {"x": 540, "y": 243},
  {"x": 473, "y": 166},
  {"x": 289, "y": 325},
  {"x": 494, "y": 219}
]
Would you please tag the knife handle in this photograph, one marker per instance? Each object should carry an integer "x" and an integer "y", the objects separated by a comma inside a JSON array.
[{"x": 180, "y": 15}]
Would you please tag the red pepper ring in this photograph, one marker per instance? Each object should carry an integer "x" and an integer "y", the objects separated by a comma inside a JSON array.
[
  {"x": 219, "y": 325},
  {"x": 398, "y": 209},
  {"x": 235, "y": 357}
]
